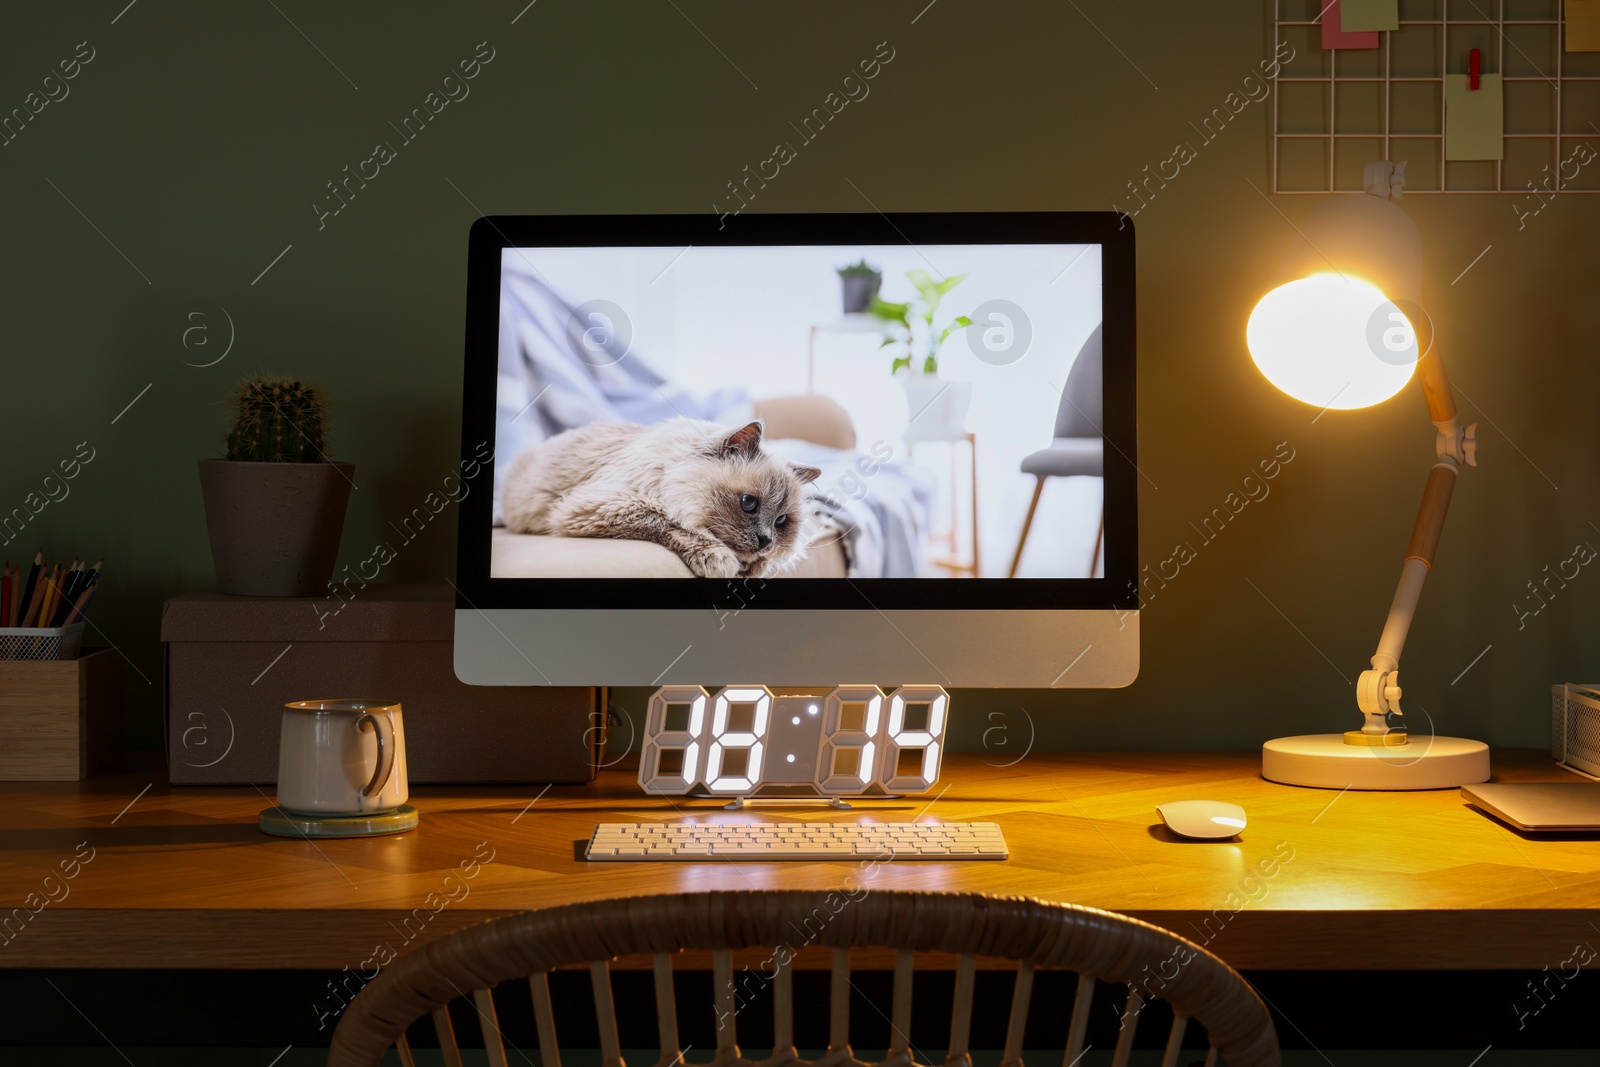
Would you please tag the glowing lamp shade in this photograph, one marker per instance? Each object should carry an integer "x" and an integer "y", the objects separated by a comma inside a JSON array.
[{"x": 1332, "y": 341}]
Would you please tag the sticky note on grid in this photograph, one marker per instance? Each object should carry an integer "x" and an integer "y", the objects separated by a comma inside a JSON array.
[
  {"x": 1356, "y": 16},
  {"x": 1333, "y": 36},
  {"x": 1474, "y": 119},
  {"x": 1583, "y": 25}
]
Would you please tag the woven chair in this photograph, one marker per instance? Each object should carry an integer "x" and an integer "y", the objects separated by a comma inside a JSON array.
[{"x": 1097, "y": 945}]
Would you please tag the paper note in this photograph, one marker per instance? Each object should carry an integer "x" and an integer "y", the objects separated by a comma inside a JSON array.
[
  {"x": 1474, "y": 119},
  {"x": 1583, "y": 25},
  {"x": 1358, "y": 15},
  {"x": 1333, "y": 35}
]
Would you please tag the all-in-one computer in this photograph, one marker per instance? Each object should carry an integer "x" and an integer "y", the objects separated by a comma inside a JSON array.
[
  {"x": 824, "y": 467},
  {"x": 714, "y": 462}
]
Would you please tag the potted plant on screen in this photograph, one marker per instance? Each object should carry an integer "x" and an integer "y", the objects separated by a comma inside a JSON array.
[
  {"x": 275, "y": 506},
  {"x": 937, "y": 408},
  {"x": 858, "y": 286}
]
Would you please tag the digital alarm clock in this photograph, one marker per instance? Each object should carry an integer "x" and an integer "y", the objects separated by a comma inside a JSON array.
[{"x": 750, "y": 741}]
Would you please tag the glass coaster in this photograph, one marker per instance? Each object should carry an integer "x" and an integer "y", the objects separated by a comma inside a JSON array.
[{"x": 275, "y": 820}]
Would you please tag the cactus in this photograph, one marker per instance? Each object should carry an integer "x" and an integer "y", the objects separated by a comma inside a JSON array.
[{"x": 277, "y": 420}]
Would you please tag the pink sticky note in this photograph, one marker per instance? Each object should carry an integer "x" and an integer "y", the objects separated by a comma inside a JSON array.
[{"x": 1334, "y": 37}]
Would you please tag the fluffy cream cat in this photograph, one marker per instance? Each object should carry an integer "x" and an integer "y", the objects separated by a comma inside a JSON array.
[{"x": 707, "y": 492}]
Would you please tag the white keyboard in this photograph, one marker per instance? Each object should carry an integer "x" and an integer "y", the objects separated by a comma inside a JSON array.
[{"x": 765, "y": 842}]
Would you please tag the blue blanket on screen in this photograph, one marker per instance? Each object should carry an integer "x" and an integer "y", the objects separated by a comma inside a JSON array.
[
  {"x": 881, "y": 519},
  {"x": 562, "y": 367}
]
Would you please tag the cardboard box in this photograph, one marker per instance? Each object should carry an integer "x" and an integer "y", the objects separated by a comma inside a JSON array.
[
  {"x": 232, "y": 662},
  {"x": 59, "y": 719}
]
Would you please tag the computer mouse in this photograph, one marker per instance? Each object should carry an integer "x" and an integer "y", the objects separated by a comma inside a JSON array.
[{"x": 1202, "y": 818}]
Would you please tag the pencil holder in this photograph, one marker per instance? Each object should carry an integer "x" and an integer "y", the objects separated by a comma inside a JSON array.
[
  {"x": 35, "y": 642},
  {"x": 1575, "y": 727}
]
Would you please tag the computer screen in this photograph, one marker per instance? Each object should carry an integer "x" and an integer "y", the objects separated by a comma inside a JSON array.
[
  {"x": 645, "y": 406},
  {"x": 857, "y": 414}
]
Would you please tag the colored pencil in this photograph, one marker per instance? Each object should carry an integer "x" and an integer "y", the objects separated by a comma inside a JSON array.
[
  {"x": 52, "y": 593},
  {"x": 52, "y": 597},
  {"x": 85, "y": 598},
  {"x": 63, "y": 583},
  {"x": 69, "y": 592},
  {"x": 51, "y": 583},
  {"x": 63, "y": 599},
  {"x": 78, "y": 588},
  {"x": 63, "y": 587},
  {"x": 48, "y": 618},
  {"x": 70, "y": 576},
  {"x": 31, "y": 611},
  {"x": 25, "y": 601}
]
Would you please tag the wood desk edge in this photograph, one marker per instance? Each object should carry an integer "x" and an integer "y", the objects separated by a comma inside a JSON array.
[{"x": 328, "y": 937}]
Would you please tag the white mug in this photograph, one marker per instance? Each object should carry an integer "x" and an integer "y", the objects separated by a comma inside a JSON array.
[{"x": 342, "y": 757}]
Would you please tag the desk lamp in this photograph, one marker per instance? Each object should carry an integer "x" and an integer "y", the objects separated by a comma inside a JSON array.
[{"x": 1346, "y": 330}]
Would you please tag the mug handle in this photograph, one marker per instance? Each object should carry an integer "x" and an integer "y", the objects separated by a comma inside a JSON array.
[{"x": 384, "y": 729}]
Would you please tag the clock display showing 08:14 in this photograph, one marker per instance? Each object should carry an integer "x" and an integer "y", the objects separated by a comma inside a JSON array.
[{"x": 756, "y": 741}]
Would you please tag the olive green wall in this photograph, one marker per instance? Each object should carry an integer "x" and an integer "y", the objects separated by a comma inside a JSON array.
[{"x": 200, "y": 135}]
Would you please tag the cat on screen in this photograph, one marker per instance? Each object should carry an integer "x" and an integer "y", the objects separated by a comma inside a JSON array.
[{"x": 708, "y": 493}]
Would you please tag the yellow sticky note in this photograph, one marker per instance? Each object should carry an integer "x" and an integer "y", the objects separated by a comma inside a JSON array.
[
  {"x": 1474, "y": 119},
  {"x": 1358, "y": 15},
  {"x": 1583, "y": 25}
]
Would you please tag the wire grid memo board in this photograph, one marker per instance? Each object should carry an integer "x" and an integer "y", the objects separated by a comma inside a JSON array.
[{"x": 1335, "y": 110}]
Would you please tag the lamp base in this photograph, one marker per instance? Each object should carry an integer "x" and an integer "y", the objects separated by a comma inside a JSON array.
[{"x": 1324, "y": 761}]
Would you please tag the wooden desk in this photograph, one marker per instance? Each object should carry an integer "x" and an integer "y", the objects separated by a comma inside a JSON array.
[{"x": 181, "y": 877}]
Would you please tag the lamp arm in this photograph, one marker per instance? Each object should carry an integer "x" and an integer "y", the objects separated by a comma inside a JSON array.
[{"x": 1378, "y": 689}]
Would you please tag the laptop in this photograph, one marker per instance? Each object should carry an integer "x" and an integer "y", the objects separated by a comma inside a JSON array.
[{"x": 1540, "y": 806}]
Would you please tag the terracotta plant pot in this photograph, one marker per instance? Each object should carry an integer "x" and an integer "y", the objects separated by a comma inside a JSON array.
[{"x": 274, "y": 527}]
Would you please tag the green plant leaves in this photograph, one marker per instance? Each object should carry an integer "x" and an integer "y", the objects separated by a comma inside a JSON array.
[
  {"x": 896, "y": 313},
  {"x": 932, "y": 292},
  {"x": 897, "y": 319},
  {"x": 960, "y": 322}
]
